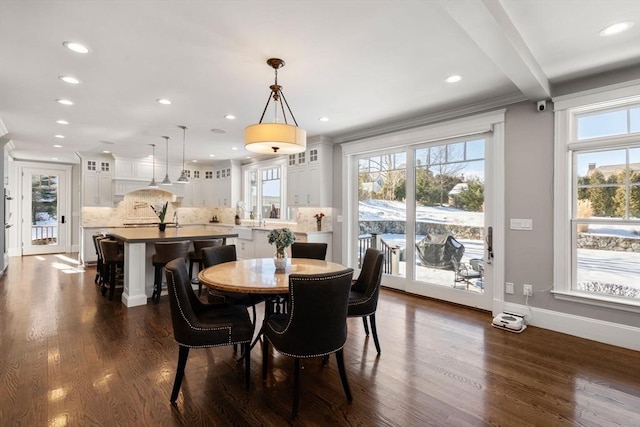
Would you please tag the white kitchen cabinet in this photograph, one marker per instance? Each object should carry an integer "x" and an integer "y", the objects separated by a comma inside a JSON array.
[
  {"x": 226, "y": 186},
  {"x": 192, "y": 192},
  {"x": 97, "y": 182},
  {"x": 244, "y": 249},
  {"x": 208, "y": 188},
  {"x": 310, "y": 177}
]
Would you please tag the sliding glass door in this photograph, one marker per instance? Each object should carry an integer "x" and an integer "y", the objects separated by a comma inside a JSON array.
[{"x": 431, "y": 202}]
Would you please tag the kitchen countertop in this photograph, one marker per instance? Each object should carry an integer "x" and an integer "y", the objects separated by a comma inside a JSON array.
[
  {"x": 211, "y": 225},
  {"x": 148, "y": 234}
]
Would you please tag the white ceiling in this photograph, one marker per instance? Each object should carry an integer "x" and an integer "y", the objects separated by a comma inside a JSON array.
[{"x": 360, "y": 63}]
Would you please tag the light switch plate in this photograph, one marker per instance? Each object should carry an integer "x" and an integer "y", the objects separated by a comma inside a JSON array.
[{"x": 521, "y": 224}]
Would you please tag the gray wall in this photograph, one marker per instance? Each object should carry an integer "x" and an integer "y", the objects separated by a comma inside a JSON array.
[
  {"x": 529, "y": 257},
  {"x": 529, "y": 194}
]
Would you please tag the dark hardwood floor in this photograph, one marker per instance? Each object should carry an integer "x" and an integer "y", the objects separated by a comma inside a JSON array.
[{"x": 69, "y": 356}]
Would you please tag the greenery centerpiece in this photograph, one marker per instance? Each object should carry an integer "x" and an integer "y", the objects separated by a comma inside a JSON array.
[
  {"x": 160, "y": 210},
  {"x": 282, "y": 238}
]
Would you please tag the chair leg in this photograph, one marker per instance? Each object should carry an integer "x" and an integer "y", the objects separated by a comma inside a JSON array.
[
  {"x": 98, "y": 270},
  {"x": 247, "y": 364},
  {"x": 366, "y": 327},
  {"x": 112, "y": 280},
  {"x": 374, "y": 331},
  {"x": 296, "y": 388},
  {"x": 157, "y": 284},
  {"x": 343, "y": 375},
  {"x": 190, "y": 269},
  {"x": 265, "y": 357},
  {"x": 104, "y": 279},
  {"x": 182, "y": 362}
]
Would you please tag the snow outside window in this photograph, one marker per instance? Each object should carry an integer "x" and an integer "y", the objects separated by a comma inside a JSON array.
[{"x": 597, "y": 198}]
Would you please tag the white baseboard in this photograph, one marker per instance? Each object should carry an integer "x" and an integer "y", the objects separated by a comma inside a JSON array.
[{"x": 583, "y": 327}]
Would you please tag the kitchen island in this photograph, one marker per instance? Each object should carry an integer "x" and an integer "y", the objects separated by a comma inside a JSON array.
[{"x": 139, "y": 249}]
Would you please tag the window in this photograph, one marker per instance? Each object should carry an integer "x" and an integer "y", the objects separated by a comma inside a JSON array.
[
  {"x": 263, "y": 190},
  {"x": 598, "y": 179}
]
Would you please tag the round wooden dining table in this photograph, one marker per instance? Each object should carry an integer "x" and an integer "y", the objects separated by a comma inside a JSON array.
[{"x": 259, "y": 276}]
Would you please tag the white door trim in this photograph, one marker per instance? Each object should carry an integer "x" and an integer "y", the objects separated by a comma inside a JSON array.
[{"x": 64, "y": 233}]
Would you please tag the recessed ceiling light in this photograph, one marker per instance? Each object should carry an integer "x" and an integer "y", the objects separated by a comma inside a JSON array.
[
  {"x": 57, "y": 145},
  {"x": 164, "y": 101},
  {"x": 616, "y": 28},
  {"x": 64, "y": 101},
  {"x": 62, "y": 122},
  {"x": 54, "y": 158},
  {"x": 324, "y": 119},
  {"x": 59, "y": 136},
  {"x": 194, "y": 161},
  {"x": 248, "y": 157},
  {"x": 453, "y": 79},
  {"x": 234, "y": 148},
  {"x": 106, "y": 151},
  {"x": 214, "y": 130},
  {"x": 230, "y": 117},
  {"x": 69, "y": 79},
  {"x": 212, "y": 155},
  {"x": 76, "y": 47}
]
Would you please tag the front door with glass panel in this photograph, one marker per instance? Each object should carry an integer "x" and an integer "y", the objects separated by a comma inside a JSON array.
[{"x": 43, "y": 224}]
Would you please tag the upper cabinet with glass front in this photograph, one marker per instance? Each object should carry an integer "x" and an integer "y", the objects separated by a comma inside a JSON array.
[
  {"x": 226, "y": 184},
  {"x": 97, "y": 179},
  {"x": 310, "y": 176}
]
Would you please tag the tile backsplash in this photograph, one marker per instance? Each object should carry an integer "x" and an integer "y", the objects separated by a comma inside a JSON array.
[{"x": 134, "y": 209}]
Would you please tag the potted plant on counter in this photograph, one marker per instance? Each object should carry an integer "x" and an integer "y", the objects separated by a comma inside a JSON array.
[
  {"x": 282, "y": 238},
  {"x": 161, "y": 211}
]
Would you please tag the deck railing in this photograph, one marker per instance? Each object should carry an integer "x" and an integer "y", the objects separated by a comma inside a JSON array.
[
  {"x": 391, "y": 252},
  {"x": 44, "y": 234}
]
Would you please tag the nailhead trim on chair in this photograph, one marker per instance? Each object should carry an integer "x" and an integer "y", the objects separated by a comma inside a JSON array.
[
  {"x": 309, "y": 279},
  {"x": 229, "y": 341}
]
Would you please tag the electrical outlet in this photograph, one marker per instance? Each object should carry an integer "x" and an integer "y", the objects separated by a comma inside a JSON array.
[
  {"x": 508, "y": 288},
  {"x": 527, "y": 290}
]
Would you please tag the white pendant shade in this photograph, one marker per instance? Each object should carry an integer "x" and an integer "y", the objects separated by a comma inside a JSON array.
[{"x": 275, "y": 138}]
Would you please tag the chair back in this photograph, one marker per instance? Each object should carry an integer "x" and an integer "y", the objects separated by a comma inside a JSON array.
[
  {"x": 309, "y": 250},
  {"x": 215, "y": 255},
  {"x": 96, "y": 242},
  {"x": 185, "y": 304},
  {"x": 109, "y": 250},
  {"x": 368, "y": 282},
  {"x": 316, "y": 323},
  {"x": 199, "y": 245},
  {"x": 167, "y": 251}
]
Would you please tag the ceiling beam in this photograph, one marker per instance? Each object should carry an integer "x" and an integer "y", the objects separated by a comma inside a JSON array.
[{"x": 488, "y": 25}]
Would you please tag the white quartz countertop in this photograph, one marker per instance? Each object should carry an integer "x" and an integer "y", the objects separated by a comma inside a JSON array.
[{"x": 223, "y": 227}]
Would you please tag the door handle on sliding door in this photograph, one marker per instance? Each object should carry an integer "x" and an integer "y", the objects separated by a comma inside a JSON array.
[{"x": 489, "y": 245}]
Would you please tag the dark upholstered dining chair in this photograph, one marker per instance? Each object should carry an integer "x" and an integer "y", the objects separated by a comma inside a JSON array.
[
  {"x": 215, "y": 255},
  {"x": 363, "y": 298},
  {"x": 309, "y": 250},
  {"x": 199, "y": 325},
  {"x": 196, "y": 256},
  {"x": 165, "y": 252},
  {"x": 112, "y": 259},
  {"x": 314, "y": 326}
]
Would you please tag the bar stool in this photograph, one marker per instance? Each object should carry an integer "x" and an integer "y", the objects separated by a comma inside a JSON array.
[
  {"x": 96, "y": 244},
  {"x": 112, "y": 258},
  {"x": 196, "y": 256},
  {"x": 165, "y": 252}
]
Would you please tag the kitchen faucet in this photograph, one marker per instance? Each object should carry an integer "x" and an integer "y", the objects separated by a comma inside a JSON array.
[{"x": 175, "y": 218}]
